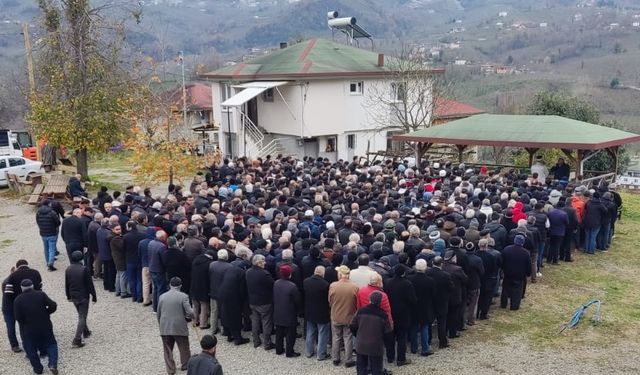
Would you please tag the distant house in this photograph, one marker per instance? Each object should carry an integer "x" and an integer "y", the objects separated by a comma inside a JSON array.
[
  {"x": 543, "y": 24},
  {"x": 200, "y": 128},
  {"x": 503, "y": 14},
  {"x": 636, "y": 24},
  {"x": 446, "y": 110},
  {"x": 504, "y": 70},
  {"x": 311, "y": 99},
  {"x": 460, "y": 62}
]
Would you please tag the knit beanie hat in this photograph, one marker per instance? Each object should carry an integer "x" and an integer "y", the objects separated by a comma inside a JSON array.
[{"x": 375, "y": 298}]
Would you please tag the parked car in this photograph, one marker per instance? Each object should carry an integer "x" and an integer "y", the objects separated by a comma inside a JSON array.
[{"x": 22, "y": 167}]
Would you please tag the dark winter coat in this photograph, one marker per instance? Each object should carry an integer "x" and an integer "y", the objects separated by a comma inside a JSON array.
[
  {"x": 232, "y": 294},
  {"x": 74, "y": 232},
  {"x": 594, "y": 215},
  {"x": 78, "y": 283},
  {"x": 425, "y": 289},
  {"x": 286, "y": 303},
  {"x": 48, "y": 221},
  {"x": 475, "y": 271},
  {"x": 217, "y": 270},
  {"x": 32, "y": 310},
  {"x": 402, "y": 298},
  {"x": 316, "y": 301},
  {"x": 200, "y": 278},
  {"x": 516, "y": 263},
  {"x": 459, "y": 279},
  {"x": 130, "y": 241},
  {"x": 176, "y": 264},
  {"x": 370, "y": 325},
  {"x": 259, "y": 286},
  {"x": 444, "y": 287},
  {"x": 558, "y": 221}
]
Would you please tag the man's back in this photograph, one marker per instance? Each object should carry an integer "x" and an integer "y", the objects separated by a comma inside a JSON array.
[
  {"x": 32, "y": 309},
  {"x": 343, "y": 300},
  {"x": 173, "y": 309},
  {"x": 204, "y": 364}
]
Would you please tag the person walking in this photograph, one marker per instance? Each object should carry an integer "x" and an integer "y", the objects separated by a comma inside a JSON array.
[
  {"x": 7, "y": 314},
  {"x": 205, "y": 363},
  {"x": 174, "y": 312},
  {"x": 32, "y": 310},
  {"x": 78, "y": 286},
  {"x": 286, "y": 305},
  {"x": 370, "y": 326},
  {"x": 316, "y": 313},
  {"x": 48, "y": 223},
  {"x": 143, "y": 253},
  {"x": 343, "y": 298},
  {"x": 260, "y": 289}
]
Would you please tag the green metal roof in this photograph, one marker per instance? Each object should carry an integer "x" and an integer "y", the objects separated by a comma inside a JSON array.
[
  {"x": 315, "y": 58},
  {"x": 522, "y": 131}
]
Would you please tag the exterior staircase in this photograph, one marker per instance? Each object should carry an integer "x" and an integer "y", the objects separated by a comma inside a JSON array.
[{"x": 257, "y": 144}]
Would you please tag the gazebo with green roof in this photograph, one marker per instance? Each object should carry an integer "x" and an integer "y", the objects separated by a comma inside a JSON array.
[{"x": 525, "y": 131}]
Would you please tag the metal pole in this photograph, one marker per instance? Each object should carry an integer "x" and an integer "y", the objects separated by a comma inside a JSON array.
[
  {"x": 184, "y": 93},
  {"x": 229, "y": 131}
]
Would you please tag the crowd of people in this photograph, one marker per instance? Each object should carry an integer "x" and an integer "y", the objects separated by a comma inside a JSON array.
[{"x": 362, "y": 260}]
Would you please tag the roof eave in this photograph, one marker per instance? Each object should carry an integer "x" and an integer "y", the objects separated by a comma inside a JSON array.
[
  {"x": 471, "y": 142},
  {"x": 294, "y": 76}
]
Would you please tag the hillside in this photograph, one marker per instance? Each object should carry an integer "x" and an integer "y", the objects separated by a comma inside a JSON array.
[{"x": 580, "y": 46}]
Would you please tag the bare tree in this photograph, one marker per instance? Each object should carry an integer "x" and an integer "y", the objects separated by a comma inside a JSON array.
[{"x": 407, "y": 98}]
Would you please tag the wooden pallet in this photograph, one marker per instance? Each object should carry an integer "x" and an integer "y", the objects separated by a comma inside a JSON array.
[{"x": 34, "y": 198}]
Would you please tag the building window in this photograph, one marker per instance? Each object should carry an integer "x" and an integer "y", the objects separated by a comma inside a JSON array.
[
  {"x": 351, "y": 141},
  {"x": 267, "y": 95},
  {"x": 331, "y": 145},
  {"x": 356, "y": 87},
  {"x": 398, "y": 91},
  {"x": 225, "y": 91}
]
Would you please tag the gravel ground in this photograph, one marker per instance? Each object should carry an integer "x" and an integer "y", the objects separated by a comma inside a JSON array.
[{"x": 125, "y": 336}]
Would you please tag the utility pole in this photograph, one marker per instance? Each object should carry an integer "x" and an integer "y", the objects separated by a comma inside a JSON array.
[{"x": 28, "y": 50}]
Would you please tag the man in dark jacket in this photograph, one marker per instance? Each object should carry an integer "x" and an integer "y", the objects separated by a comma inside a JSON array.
[
  {"x": 488, "y": 279},
  {"x": 444, "y": 287},
  {"x": 516, "y": 267},
  {"x": 460, "y": 280},
  {"x": 104, "y": 254},
  {"x": 92, "y": 245},
  {"x": 370, "y": 326},
  {"x": 232, "y": 293},
  {"x": 117, "y": 254},
  {"x": 48, "y": 222},
  {"x": 595, "y": 213},
  {"x": 558, "y": 222},
  {"x": 193, "y": 246},
  {"x": 475, "y": 273},
  {"x": 260, "y": 289},
  {"x": 217, "y": 270},
  {"x": 32, "y": 310},
  {"x": 78, "y": 287},
  {"x": 316, "y": 312},
  {"x": 402, "y": 298},
  {"x": 424, "y": 313},
  {"x": 286, "y": 305},
  {"x": 156, "y": 268},
  {"x": 199, "y": 291},
  {"x": 10, "y": 291},
  {"x": 176, "y": 264},
  {"x": 570, "y": 230},
  {"x": 74, "y": 233},
  {"x": 206, "y": 362},
  {"x": 130, "y": 242}
]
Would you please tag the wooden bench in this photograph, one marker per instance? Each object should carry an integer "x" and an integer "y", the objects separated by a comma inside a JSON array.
[
  {"x": 34, "y": 198},
  {"x": 16, "y": 184}
]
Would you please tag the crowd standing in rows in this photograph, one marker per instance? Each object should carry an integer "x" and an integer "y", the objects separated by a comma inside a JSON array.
[{"x": 367, "y": 258}]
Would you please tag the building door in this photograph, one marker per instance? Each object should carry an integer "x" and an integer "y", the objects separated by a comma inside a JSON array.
[
  {"x": 252, "y": 110},
  {"x": 311, "y": 147}
]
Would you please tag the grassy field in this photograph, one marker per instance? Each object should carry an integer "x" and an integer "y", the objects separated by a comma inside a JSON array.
[{"x": 611, "y": 277}]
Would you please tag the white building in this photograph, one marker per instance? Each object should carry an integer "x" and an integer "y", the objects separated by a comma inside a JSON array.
[{"x": 315, "y": 98}]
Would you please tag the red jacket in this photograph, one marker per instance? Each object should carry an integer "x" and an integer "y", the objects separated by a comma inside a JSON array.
[
  {"x": 579, "y": 205},
  {"x": 363, "y": 300},
  {"x": 517, "y": 212}
]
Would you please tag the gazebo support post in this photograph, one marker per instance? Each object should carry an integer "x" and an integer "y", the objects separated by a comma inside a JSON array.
[
  {"x": 531, "y": 151},
  {"x": 421, "y": 148},
  {"x": 613, "y": 152},
  {"x": 581, "y": 155},
  {"x": 461, "y": 149}
]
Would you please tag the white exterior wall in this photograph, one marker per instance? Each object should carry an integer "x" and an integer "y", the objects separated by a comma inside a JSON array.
[{"x": 317, "y": 109}]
